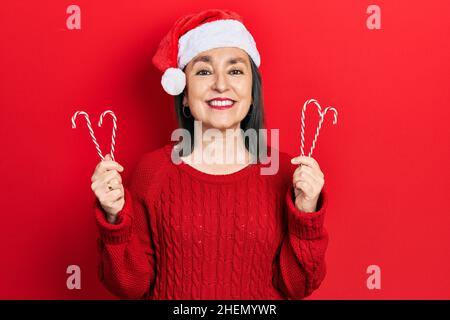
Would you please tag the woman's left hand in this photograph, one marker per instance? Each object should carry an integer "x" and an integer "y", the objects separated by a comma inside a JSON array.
[{"x": 308, "y": 181}]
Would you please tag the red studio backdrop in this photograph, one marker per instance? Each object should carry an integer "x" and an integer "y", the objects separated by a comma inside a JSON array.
[{"x": 386, "y": 161}]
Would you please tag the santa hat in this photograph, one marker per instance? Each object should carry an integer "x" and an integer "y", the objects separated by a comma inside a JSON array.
[{"x": 195, "y": 33}]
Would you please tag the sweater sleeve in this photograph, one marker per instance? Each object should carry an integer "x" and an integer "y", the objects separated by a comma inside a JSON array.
[
  {"x": 127, "y": 257},
  {"x": 300, "y": 265}
]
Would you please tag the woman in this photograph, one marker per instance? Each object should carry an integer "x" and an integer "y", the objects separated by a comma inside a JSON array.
[{"x": 205, "y": 229}]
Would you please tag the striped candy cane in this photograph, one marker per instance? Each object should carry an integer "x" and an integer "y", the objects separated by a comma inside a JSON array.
[
  {"x": 322, "y": 116},
  {"x": 113, "y": 138},
  {"x": 91, "y": 131}
]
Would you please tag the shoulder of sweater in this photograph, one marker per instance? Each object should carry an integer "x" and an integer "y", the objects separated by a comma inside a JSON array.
[
  {"x": 149, "y": 165},
  {"x": 155, "y": 161}
]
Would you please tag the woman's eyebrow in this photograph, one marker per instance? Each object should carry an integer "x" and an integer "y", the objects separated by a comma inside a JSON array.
[
  {"x": 236, "y": 60},
  {"x": 208, "y": 59}
]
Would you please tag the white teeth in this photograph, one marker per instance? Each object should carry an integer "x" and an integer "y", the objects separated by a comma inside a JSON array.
[{"x": 221, "y": 103}]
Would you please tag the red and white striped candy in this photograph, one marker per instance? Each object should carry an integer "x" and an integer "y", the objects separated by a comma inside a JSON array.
[
  {"x": 322, "y": 116},
  {"x": 91, "y": 131}
]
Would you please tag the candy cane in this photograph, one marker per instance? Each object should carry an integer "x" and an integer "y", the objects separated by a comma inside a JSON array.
[
  {"x": 88, "y": 122},
  {"x": 91, "y": 131},
  {"x": 322, "y": 116},
  {"x": 113, "y": 131}
]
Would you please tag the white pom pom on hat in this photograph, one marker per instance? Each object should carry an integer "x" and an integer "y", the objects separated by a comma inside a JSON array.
[
  {"x": 173, "y": 81},
  {"x": 195, "y": 33}
]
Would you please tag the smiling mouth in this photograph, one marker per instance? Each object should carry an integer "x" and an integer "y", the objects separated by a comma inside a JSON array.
[{"x": 221, "y": 105}]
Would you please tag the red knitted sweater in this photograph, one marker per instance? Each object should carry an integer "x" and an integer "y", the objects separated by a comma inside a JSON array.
[{"x": 186, "y": 234}]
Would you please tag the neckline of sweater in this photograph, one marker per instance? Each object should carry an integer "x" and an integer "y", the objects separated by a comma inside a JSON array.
[{"x": 211, "y": 178}]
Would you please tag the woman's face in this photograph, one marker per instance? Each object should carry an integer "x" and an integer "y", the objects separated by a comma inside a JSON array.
[{"x": 219, "y": 74}]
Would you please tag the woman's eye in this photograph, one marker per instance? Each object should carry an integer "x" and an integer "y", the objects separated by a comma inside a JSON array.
[
  {"x": 202, "y": 72},
  {"x": 238, "y": 71}
]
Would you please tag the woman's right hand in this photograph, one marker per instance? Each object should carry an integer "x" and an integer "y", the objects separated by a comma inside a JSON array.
[{"x": 108, "y": 188}]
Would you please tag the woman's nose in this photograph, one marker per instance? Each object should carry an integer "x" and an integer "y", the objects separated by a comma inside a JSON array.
[{"x": 220, "y": 82}]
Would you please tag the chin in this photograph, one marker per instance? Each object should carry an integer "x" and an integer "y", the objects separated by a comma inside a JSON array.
[{"x": 222, "y": 125}]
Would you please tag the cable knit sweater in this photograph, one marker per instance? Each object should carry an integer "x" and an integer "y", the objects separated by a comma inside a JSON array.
[{"x": 186, "y": 234}]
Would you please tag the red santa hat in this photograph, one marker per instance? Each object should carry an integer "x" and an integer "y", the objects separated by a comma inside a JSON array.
[{"x": 195, "y": 33}]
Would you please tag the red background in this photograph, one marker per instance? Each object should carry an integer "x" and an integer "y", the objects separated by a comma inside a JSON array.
[{"x": 385, "y": 162}]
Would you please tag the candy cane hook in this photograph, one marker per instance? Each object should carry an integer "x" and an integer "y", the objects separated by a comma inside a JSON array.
[
  {"x": 322, "y": 116},
  {"x": 88, "y": 122}
]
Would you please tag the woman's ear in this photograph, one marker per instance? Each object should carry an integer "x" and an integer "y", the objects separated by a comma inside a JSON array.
[{"x": 185, "y": 99}]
